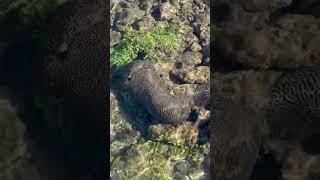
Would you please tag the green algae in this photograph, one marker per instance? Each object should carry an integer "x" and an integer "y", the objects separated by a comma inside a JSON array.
[
  {"x": 143, "y": 41},
  {"x": 152, "y": 160}
]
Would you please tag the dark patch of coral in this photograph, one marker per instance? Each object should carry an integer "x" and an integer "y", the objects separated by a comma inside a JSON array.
[{"x": 146, "y": 87}]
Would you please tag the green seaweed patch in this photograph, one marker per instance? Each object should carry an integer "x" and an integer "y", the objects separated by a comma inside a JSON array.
[
  {"x": 143, "y": 41},
  {"x": 143, "y": 161},
  {"x": 157, "y": 160},
  {"x": 194, "y": 153}
]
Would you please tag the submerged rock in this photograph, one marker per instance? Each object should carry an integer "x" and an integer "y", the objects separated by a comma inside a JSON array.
[
  {"x": 13, "y": 148},
  {"x": 122, "y": 133},
  {"x": 289, "y": 43},
  {"x": 167, "y": 93},
  {"x": 239, "y": 102},
  {"x": 21, "y": 158},
  {"x": 296, "y": 163},
  {"x": 162, "y": 161},
  {"x": 186, "y": 133}
]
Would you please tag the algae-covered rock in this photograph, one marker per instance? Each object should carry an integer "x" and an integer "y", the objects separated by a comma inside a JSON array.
[
  {"x": 138, "y": 163},
  {"x": 185, "y": 133},
  {"x": 154, "y": 160},
  {"x": 173, "y": 150},
  {"x": 155, "y": 43}
]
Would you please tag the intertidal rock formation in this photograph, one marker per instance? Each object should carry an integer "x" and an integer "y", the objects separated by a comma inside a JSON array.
[
  {"x": 250, "y": 106},
  {"x": 277, "y": 35},
  {"x": 290, "y": 43},
  {"x": 239, "y": 103}
]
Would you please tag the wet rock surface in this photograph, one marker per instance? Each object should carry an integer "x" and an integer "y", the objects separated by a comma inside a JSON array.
[
  {"x": 186, "y": 134},
  {"x": 155, "y": 160},
  {"x": 170, "y": 75},
  {"x": 288, "y": 44}
]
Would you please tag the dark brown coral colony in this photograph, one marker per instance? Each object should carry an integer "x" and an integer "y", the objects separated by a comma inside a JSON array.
[{"x": 75, "y": 65}]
